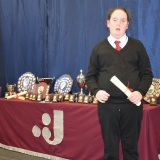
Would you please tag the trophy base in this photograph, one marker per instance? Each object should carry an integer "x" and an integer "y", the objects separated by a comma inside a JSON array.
[{"x": 9, "y": 94}]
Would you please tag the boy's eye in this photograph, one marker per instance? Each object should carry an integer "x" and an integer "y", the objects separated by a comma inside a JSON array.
[
  {"x": 114, "y": 20},
  {"x": 123, "y": 20}
]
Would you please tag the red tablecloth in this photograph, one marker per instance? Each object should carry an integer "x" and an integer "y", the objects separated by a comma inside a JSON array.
[
  {"x": 0, "y": 90},
  {"x": 67, "y": 130}
]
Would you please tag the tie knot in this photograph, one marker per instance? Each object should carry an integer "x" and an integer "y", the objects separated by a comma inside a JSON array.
[
  {"x": 118, "y": 48},
  {"x": 117, "y": 42}
]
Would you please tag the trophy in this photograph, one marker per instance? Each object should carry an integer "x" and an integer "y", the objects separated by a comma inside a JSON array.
[
  {"x": 66, "y": 97},
  {"x": 81, "y": 98},
  {"x": 48, "y": 98},
  {"x": 76, "y": 97},
  {"x": 81, "y": 81},
  {"x": 55, "y": 97},
  {"x": 88, "y": 98},
  {"x": 95, "y": 101},
  {"x": 10, "y": 90},
  {"x": 72, "y": 98},
  {"x": 40, "y": 93},
  {"x": 153, "y": 101},
  {"x": 60, "y": 98}
]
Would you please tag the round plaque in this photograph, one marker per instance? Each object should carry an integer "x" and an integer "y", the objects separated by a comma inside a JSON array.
[
  {"x": 26, "y": 82},
  {"x": 153, "y": 91},
  {"x": 63, "y": 85}
]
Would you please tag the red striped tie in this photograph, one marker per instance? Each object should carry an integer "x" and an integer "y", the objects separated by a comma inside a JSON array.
[{"x": 118, "y": 48}]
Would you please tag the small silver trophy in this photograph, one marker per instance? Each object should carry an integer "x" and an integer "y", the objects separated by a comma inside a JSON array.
[{"x": 81, "y": 81}]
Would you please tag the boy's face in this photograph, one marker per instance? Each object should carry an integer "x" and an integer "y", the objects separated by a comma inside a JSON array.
[{"x": 118, "y": 23}]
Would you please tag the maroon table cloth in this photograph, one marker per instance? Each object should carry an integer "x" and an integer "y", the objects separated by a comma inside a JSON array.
[
  {"x": 0, "y": 90},
  {"x": 67, "y": 130}
]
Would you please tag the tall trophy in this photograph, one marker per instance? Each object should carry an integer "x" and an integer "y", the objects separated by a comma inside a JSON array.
[{"x": 81, "y": 81}]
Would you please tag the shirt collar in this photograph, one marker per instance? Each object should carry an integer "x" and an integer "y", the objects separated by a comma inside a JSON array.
[{"x": 123, "y": 40}]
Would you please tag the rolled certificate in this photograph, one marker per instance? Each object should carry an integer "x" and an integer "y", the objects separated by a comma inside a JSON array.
[
  {"x": 16, "y": 95},
  {"x": 122, "y": 87}
]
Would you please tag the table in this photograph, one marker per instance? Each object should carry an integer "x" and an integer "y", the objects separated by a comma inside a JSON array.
[{"x": 66, "y": 130}]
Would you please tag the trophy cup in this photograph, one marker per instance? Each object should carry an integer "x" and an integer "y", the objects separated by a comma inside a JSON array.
[
  {"x": 10, "y": 90},
  {"x": 81, "y": 81}
]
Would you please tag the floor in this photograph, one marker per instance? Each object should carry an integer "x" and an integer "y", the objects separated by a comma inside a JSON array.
[{"x": 11, "y": 155}]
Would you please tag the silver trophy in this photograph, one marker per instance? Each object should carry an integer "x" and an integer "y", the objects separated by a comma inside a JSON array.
[{"x": 81, "y": 81}]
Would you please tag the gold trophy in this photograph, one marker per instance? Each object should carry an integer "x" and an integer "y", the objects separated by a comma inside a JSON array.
[
  {"x": 81, "y": 81},
  {"x": 40, "y": 91},
  {"x": 88, "y": 98},
  {"x": 10, "y": 90}
]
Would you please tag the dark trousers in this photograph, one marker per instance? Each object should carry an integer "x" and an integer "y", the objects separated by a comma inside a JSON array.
[{"x": 120, "y": 122}]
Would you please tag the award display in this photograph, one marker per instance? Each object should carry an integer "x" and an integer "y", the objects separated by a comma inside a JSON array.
[
  {"x": 34, "y": 88},
  {"x": 81, "y": 81}
]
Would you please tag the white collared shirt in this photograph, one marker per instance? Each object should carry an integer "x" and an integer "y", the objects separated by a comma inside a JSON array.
[{"x": 123, "y": 40}]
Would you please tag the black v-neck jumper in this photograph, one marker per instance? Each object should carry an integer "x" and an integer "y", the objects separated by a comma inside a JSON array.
[{"x": 131, "y": 65}]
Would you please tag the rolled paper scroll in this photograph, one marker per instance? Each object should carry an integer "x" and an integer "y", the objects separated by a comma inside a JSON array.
[
  {"x": 122, "y": 87},
  {"x": 16, "y": 95}
]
